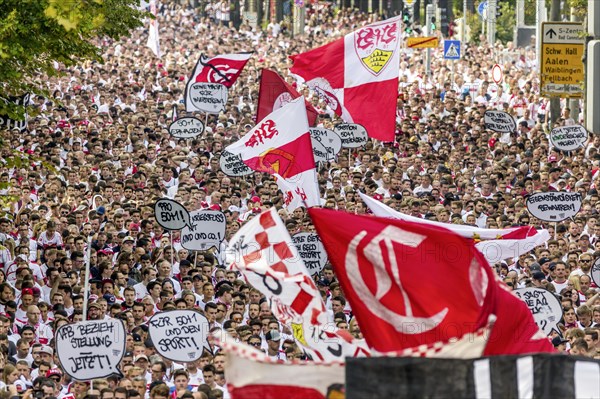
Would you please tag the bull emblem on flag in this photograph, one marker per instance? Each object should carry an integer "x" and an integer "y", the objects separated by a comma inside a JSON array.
[{"x": 375, "y": 46}]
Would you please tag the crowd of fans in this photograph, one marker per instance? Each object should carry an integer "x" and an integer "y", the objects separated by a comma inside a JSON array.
[{"x": 99, "y": 155}]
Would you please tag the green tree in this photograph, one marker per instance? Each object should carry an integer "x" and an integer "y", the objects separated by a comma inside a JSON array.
[{"x": 34, "y": 34}]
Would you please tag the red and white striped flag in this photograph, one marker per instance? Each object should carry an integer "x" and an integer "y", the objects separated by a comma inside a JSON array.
[
  {"x": 250, "y": 374},
  {"x": 357, "y": 76},
  {"x": 263, "y": 251},
  {"x": 280, "y": 145}
]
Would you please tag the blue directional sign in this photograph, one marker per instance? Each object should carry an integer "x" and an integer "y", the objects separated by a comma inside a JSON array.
[
  {"x": 452, "y": 49},
  {"x": 481, "y": 7}
]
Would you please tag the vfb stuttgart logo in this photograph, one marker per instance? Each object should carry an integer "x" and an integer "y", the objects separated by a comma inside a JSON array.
[{"x": 375, "y": 46}]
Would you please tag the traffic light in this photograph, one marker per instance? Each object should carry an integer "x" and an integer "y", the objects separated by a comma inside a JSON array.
[
  {"x": 498, "y": 11},
  {"x": 407, "y": 20},
  {"x": 433, "y": 24}
]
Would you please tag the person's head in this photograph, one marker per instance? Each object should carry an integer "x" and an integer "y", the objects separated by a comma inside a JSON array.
[
  {"x": 158, "y": 370},
  {"x": 208, "y": 373},
  {"x": 121, "y": 392},
  {"x": 10, "y": 374},
  {"x": 579, "y": 347},
  {"x": 160, "y": 391},
  {"x": 181, "y": 379}
]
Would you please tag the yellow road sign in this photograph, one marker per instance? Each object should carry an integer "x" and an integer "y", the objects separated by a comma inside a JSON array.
[
  {"x": 561, "y": 66},
  {"x": 422, "y": 42}
]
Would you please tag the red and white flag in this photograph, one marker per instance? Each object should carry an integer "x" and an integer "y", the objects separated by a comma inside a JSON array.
[
  {"x": 280, "y": 145},
  {"x": 263, "y": 251},
  {"x": 357, "y": 76},
  {"x": 275, "y": 93},
  {"x": 223, "y": 69},
  {"x": 251, "y": 374},
  {"x": 495, "y": 245},
  {"x": 412, "y": 284}
]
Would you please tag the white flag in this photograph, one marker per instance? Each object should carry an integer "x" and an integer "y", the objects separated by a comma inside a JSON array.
[{"x": 153, "y": 40}]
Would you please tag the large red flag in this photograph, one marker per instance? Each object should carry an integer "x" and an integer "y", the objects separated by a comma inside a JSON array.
[
  {"x": 413, "y": 284},
  {"x": 357, "y": 76},
  {"x": 275, "y": 93}
]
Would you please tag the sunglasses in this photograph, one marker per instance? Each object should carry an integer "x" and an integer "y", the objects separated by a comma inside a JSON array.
[{"x": 257, "y": 344}]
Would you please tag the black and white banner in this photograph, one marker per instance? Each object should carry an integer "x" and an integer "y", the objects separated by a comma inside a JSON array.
[{"x": 536, "y": 376}]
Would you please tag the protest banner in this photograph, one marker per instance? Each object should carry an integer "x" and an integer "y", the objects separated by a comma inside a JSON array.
[
  {"x": 595, "y": 272},
  {"x": 326, "y": 144},
  {"x": 179, "y": 335},
  {"x": 6, "y": 122},
  {"x": 568, "y": 138},
  {"x": 353, "y": 135},
  {"x": 206, "y": 97},
  {"x": 91, "y": 349},
  {"x": 544, "y": 306},
  {"x": 232, "y": 165},
  {"x": 554, "y": 206},
  {"x": 499, "y": 121},
  {"x": 207, "y": 230},
  {"x": 171, "y": 215},
  {"x": 186, "y": 128},
  {"x": 311, "y": 251}
]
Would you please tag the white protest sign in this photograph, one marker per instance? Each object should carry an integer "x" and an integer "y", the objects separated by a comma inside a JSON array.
[
  {"x": 207, "y": 97},
  {"x": 544, "y": 306},
  {"x": 326, "y": 143},
  {"x": 311, "y": 251},
  {"x": 208, "y": 230},
  {"x": 171, "y": 215},
  {"x": 179, "y": 335},
  {"x": 568, "y": 138},
  {"x": 353, "y": 135},
  {"x": 499, "y": 121},
  {"x": 319, "y": 151},
  {"x": 91, "y": 349},
  {"x": 595, "y": 272},
  {"x": 554, "y": 206},
  {"x": 232, "y": 165},
  {"x": 186, "y": 128}
]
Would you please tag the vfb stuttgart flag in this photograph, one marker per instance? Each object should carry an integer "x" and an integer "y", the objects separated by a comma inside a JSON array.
[{"x": 357, "y": 76}]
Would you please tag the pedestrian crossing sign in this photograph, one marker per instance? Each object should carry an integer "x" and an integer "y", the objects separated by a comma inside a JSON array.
[{"x": 452, "y": 49}]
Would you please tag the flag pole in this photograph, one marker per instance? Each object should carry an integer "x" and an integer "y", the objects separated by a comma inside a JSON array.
[
  {"x": 172, "y": 249},
  {"x": 86, "y": 283}
]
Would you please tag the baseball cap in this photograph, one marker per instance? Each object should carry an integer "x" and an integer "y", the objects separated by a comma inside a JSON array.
[
  {"x": 110, "y": 298},
  {"x": 140, "y": 357},
  {"x": 273, "y": 335},
  {"x": 255, "y": 199},
  {"x": 558, "y": 340},
  {"x": 535, "y": 267},
  {"x": 538, "y": 276},
  {"x": 54, "y": 371},
  {"x": 129, "y": 238},
  {"x": 48, "y": 350},
  {"x": 544, "y": 260}
]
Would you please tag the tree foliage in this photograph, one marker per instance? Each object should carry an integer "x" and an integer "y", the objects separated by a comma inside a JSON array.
[{"x": 37, "y": 34}]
